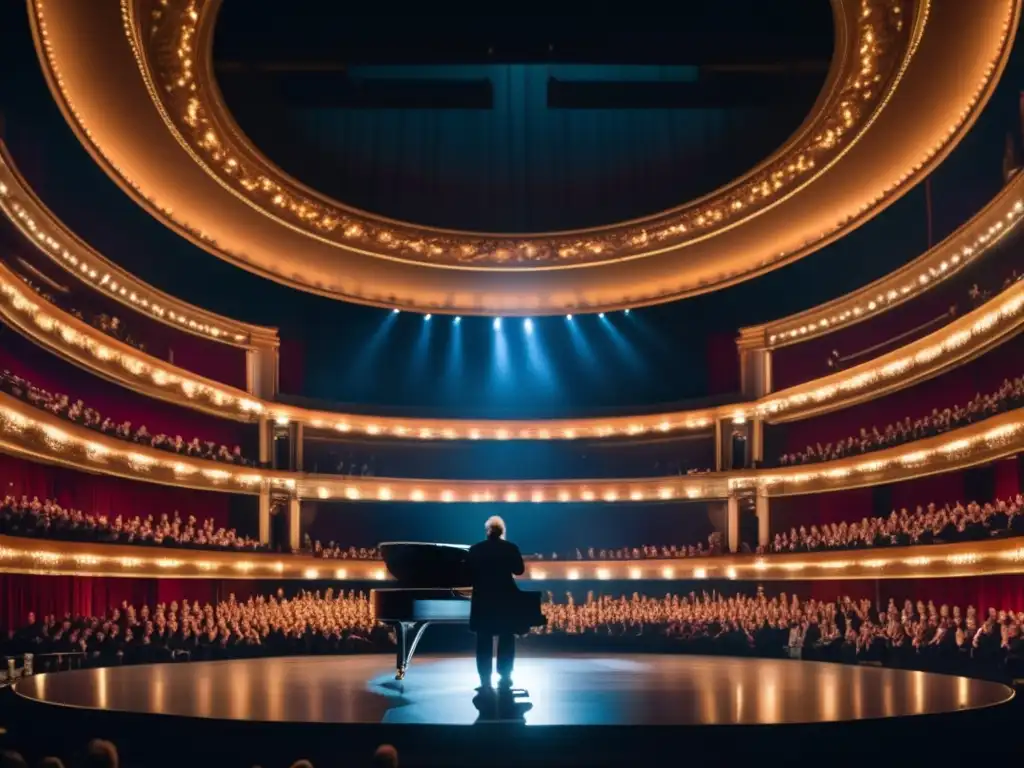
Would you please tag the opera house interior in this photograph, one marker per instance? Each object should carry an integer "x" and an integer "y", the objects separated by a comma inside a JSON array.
[{"x": 719, "y": 311}]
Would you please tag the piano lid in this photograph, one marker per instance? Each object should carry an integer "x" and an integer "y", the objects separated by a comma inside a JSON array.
[{"x": 421, "y": 564}]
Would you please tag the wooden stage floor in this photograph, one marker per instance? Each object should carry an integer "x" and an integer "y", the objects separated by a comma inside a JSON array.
[{"x": 564, "y": 690}]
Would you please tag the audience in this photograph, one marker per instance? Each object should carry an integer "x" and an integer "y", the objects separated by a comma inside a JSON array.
[
  {"x": 335, "y": 552},
  {"x": 915, "y": 634},
  {"x": 929, "y": 524},
  {"x": 1009, "y": 396},
  {"x": 49, "y": 520},
  {"x": 715, "y": 546},
  {"x": 109, "y": 324},
  {"x": 925, "y": 525},
  {"x": 76, "y": 411},
  {"x": 311, "y": 623}
]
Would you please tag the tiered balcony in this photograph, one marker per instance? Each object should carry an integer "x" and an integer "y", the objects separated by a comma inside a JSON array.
[{"x": 435, "y": 463}]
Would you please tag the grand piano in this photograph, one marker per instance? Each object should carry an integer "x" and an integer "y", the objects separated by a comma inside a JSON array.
[{"x": 434, "y": 587}]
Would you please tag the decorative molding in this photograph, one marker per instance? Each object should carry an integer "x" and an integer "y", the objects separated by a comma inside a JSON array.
[
  {"x": 47, "y": 233},
  {"x": 971, "y": 335},
  {"x": 50, "y": 557},
  {"x": 976, "y": 238},
  {"x": 40, "y": 436},
  {"x": 173, "y": 46},
  {"x": 947, "y": 73}
]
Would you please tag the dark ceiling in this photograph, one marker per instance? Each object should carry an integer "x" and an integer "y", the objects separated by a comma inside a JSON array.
[{"x": 520, "y": 123}]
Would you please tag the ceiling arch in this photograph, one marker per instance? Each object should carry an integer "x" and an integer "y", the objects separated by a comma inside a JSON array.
[{"x": 907, "y": 80}]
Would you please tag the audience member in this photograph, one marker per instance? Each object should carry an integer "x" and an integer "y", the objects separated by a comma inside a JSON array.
[
  {"x": 48, "y": 519},
  {"x": 925, "y": 525},
  {"x": 61, "y": 405},
  {"x": 1009, "y": 396}
]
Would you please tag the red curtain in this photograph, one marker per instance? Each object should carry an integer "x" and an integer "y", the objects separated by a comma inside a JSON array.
[
  {"x": 957, "y": 387},
  {"x": 723, "y": 364},
  {"x": 939, "y": 489},
  {"x": 292, "y": 364},
  {"x": 1008, "y": 476},
  {"x": 96, "y": 595},
  {"x": 45, "y": 370},
  {"x": 815, "y": 509},
  {"x": 109, "y": 495}
]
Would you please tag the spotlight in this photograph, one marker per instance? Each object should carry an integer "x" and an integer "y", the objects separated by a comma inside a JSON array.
[
  {"x": 625, "y": 312},
  {"x": 497, "y": 323},
  {"x": 427, "y": 317},
  {"x": 568, "y": 317},
  {"x": 601, "y": 315},
  {"x": 458, "y": 320},
  {"x": 528, "y": 325},
  {"x": 395, "y": 311}
]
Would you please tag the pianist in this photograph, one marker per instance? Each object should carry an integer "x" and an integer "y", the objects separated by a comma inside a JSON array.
[{"x": 493, "y": 564}]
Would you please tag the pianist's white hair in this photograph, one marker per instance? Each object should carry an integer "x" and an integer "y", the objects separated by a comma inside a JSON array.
[{"x": 495, "y": 527}]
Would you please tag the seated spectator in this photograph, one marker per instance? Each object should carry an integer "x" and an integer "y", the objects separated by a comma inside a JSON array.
[
  {"x": 61, "y": 405},
  {"x": 48, "y": 519},
  {"x": 1009, "y": 396}
]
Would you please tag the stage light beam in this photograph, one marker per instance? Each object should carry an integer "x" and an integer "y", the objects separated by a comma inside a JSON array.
[
  {"x": 497, "y": 323},
  {"x": 528, "y": 326}
]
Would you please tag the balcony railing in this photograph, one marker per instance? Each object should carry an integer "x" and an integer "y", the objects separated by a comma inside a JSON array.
[
  {"x": 37, "y": 435},
  {"x": 43, "y": 557}
]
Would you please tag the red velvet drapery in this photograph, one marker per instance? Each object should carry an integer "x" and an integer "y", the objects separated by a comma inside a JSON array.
[
  {"x": 108, "y": 495},
  {"x": 292, "y": 365},
  {"x": 47, "y": 371},
  {"x": 723, "y": 364},
  {"x": 817, "y": 509},
  {"x": 95, "y": 595},
  {"x": 957, "y": 387},
  {"x": 1008, "y": 476}
]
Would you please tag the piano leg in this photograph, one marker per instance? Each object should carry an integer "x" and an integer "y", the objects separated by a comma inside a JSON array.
[{"x": 406, "y": 645}]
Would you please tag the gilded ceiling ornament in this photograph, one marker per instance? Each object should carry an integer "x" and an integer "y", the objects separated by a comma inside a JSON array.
[{"x": 176, "y": 47}]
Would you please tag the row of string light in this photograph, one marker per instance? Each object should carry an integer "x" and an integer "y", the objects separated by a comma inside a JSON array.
[{"x": 496, "y": 323}]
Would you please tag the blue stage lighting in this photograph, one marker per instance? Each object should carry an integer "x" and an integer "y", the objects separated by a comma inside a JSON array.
[
  {"x": 497, "y": 323},
  {"x": 601, "y": 315},
  {"x": 625, "y": 312},
  {"x": 568, "y": 317},
  {"x": 427, "y": 317},
  {"x": 528, "y": 325},
  {"x": 395, "y": 311},
  {"x": 458, "y": 320}
]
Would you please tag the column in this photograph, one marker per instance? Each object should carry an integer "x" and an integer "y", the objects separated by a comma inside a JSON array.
[
  {"x": 295, "y": 446},
  {"x": 266, "y": 438},
  {"x": 261, "y": 371},
  {"x": 764, "y": 526},
  {"x": 755, "y": 372},
  {"x": 733, "y": 523},
  {"x": 294, "y": 523},
  {"x": 264, "y": 513},
  {"x": 755, "y": 443},
  {"x": 720, "y": 464}
]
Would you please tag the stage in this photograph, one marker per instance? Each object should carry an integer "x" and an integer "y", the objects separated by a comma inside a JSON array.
[{"x": 568, "y": 694}]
